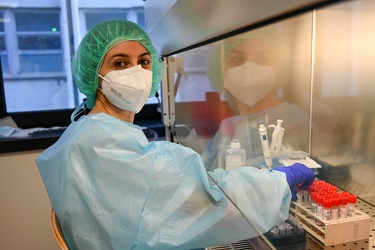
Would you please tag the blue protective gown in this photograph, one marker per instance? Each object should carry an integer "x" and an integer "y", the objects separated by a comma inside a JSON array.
[{"x": 112, "y": 189}]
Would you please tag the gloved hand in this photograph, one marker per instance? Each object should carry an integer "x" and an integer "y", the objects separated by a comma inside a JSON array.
[{"x": 297, "y": 174}]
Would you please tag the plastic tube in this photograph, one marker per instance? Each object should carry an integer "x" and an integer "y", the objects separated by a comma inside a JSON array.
[
  {"x": 352, "y": 200},
  {"x": 335, "y": 208},
  {"x": 327, "y": 204},
  {"x": 282, "y": 231},
  {"x": 288, "y": 230},
  {"x": 275, "y": 232},
  {"x": 319, "y": 210},
  {"x": 343, "y": 206},
  {"x": 314, "y": 202}
]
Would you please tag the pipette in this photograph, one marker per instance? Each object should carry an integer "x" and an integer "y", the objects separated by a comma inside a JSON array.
[
  {"x": 265, "y": 145},
  {"x": 277, "y": 137}
]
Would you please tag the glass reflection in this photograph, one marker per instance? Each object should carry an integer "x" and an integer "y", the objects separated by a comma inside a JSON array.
[
  {"x": 251, "y": 71},
  {"x": 248, "y": 80}
]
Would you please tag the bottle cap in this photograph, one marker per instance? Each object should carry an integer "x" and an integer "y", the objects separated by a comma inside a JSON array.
[
  {"x": 322, "y": 192},
  {"x": 314, "y": 196},
  {"x": 344, "y": 193},
  {"x": 320, "y": 182},
  {"x": 332, "y": 189},
  {"x": 344, "y": 200},
  {"x": 328, "y": 196},
  {"x": 319, "y": 199},
  {"x": 327, "y": 203},
  {"x": 352, "y": 199},
  {"x": 235, "y": 144},
  {"x": 336, "y": 195},
  {"x": 335, "y": 201}
]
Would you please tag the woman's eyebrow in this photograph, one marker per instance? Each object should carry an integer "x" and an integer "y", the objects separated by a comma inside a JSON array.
[
  {"x": 237, "y": 52},
  {"x": 127, "y": 56},
  {"x": 119, "y": 55},
  {"x": 144, "y": 54}
]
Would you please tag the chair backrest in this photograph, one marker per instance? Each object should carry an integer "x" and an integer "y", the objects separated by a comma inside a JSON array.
[{"x": 57, "y": 232}]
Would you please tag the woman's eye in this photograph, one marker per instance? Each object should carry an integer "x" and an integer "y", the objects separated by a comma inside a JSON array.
[
  {"x": 144, "y": 62},
  {"x": 236, "y": 61},
  {"x": 120, "y": 64}
]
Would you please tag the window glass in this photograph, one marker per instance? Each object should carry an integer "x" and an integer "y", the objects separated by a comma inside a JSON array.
[
  {"x": 38, "y": 21},
  {"x": 3, "y": 47},
  {"x": 4, "y": 64},
  {"x": 41, "y": 63},
  {"x": 39, "y": 42},
  {"x": 93, "y": 19},
  {"x": 38, "y": 94},
  {"x": 1, "y": 22},
  {"x": 141, "y": 19},
  {"x": 2, "y": 43}
]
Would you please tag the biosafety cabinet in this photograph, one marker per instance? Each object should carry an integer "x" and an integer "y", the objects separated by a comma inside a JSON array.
[{"x": 318, "y": 62}]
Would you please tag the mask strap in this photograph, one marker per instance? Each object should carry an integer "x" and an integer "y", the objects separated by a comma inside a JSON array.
[
  {"x": 78, "y": 111},
  {"x": 105, "y": 79}
]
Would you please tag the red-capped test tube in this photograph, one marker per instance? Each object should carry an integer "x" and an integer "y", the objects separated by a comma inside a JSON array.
[
  {"x": 343, "y": 206},
  {"x": 352, "y": 201},
  {"x": 327, "y": 205},
  {"x": 314, "y": 196},
  {"x": 319, "y": 209},
  {"x": 335, "y": 208}
]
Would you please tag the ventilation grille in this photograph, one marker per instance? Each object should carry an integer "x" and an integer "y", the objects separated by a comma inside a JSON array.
[{"x": 241, "y": 245}]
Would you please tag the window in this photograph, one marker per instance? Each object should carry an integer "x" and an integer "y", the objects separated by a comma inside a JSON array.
[
  {"x": 39, "y": 42},
  {"x": 36, "y": 46},
  {"x": 32, "y": 59}
]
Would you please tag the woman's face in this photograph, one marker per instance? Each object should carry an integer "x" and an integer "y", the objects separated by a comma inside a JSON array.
[
  {"x": 253, "y": 50},
  {"x": 125, "y": 55}
]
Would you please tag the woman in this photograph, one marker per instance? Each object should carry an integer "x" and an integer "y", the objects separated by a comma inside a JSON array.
[{"x": 112, "y": 189}]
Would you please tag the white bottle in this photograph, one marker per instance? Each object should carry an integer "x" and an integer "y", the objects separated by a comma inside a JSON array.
[
  {"x": 235, "y": 156},
  {"x": 265, "y": 145}
]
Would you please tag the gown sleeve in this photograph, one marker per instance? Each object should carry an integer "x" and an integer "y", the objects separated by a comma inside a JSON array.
[{"x": 189, "y": 207}]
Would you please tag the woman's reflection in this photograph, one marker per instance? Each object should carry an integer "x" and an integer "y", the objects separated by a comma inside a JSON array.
[{"x": 251, "y": 71}]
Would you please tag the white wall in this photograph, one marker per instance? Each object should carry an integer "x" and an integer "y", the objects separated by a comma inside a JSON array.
[{"x": 24, "y": 204}]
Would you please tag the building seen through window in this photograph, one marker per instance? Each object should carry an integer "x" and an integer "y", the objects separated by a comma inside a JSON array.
[{"x": 37, "y": 40}]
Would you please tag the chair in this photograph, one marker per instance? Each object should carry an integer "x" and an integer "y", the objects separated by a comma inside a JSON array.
[{"x": 57, "y": 232}]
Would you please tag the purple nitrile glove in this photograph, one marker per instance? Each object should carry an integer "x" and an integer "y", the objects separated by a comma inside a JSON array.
[{"x": 297, "y": 174}]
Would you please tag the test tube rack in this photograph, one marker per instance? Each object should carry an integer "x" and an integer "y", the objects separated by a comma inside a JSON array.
[
  {"x": 293, "y": 235},
  {"x": 332, "y": 232}
]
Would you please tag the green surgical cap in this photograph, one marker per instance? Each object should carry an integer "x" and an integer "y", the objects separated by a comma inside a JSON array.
[{"x": 88, "y": 58}]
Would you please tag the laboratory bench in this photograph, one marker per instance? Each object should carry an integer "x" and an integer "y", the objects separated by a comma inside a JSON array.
[{"x": 48, "y": 132}]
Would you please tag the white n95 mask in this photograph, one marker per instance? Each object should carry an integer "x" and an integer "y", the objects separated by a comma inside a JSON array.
[
  {"x": 249, "y": 82},
  {"x": 129, "y": 88}
]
